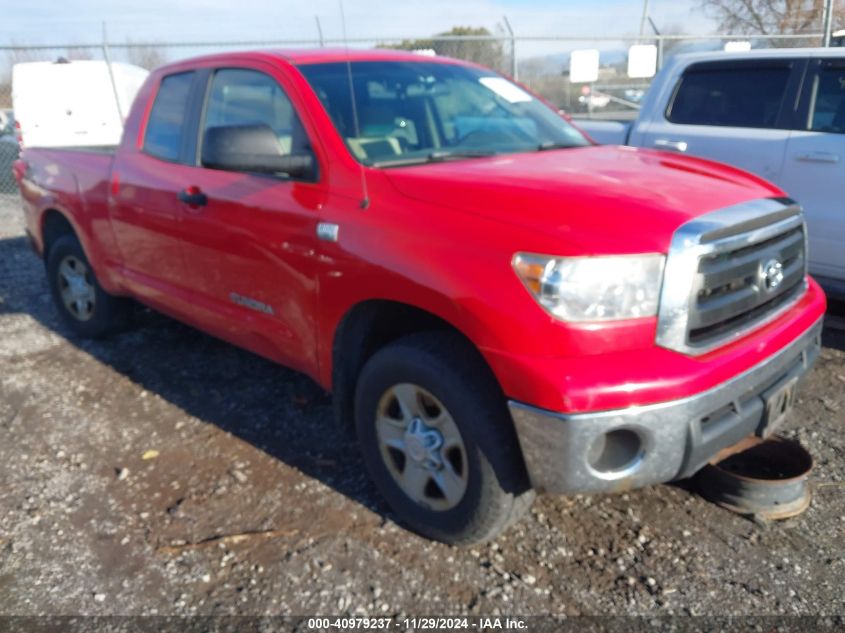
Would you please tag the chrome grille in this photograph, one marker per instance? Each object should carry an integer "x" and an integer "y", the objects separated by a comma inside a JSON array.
[
  {"x": 730, "y": 271},
  {"x": 731, "y": 288}
]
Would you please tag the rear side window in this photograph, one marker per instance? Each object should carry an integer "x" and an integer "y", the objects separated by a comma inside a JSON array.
[
  {"x": 166, "y": 125},
  {"x": 827, "y": 109},
  {"x": 730, "y": 96}
]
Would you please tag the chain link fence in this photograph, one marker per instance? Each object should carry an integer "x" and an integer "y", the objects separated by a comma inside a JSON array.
[{"x": 613, "y": 96}]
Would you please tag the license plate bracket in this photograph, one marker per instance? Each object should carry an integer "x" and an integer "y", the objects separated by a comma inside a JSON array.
[{"x": 779, "y": 401}]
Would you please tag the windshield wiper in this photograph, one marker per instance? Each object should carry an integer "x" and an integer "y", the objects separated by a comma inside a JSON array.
[
  {"x": 434, "y": 157},
  {"x": 446, "y": 154},
  {"x": 547, "y": 145}
]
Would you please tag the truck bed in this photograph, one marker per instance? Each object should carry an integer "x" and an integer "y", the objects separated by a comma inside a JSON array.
[
  {"x": 97, "y": 149},
  {"x": 82, "y": 162},
  {"x": 74, "y": 179}
]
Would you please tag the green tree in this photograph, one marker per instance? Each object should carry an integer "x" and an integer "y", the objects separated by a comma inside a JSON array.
[{"x": 488, "y": 52}]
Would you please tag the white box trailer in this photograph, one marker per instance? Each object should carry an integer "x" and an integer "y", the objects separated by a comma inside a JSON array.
[{"x": 73, "y": 103}]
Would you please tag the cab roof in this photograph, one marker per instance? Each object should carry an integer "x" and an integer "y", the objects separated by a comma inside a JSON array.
[
  {"x": 761, "y": 53},
  {"x": 330, "y": 55},
  {"x": 305, "y": 56}
]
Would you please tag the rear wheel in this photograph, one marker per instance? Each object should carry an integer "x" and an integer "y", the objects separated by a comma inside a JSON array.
[
  {"x": 82, "y": 303},
  {"x": 438, "y": 441}
]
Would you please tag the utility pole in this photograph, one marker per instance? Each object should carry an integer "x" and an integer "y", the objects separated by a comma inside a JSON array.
[
  {"x": 107, "y": 57},
  {"x": 827, "y": 25},
  {"x": 659, "y": 43},
  {"x": 514, "y": 66},
  {"x": 319, "y": 30},
  {"x": 645, "y": 17}
]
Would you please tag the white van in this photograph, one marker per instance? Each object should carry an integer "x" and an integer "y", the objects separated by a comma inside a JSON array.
[{"x": 72, "y": 103}]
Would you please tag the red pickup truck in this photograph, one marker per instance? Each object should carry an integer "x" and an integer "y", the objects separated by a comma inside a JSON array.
[{"x": 498, "y": 305}]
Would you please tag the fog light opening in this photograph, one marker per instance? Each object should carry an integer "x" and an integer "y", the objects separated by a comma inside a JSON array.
[{"x": 616, "y": 452}]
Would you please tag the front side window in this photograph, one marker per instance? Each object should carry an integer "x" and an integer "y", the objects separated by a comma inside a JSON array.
[
  {"x": 241, "y": 97},
  {"x": 166, "y": 125},
  {"x": 730, "y": 96},
  {"x": 827, "y": 108},
  {"x": 410, "y": 111}
]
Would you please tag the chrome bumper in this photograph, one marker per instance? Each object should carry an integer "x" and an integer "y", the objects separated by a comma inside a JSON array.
[{"x": 655, "y": 443}]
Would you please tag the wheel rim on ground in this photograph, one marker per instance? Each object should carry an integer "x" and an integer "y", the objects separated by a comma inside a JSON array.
[
  {"x": 77, "y": 288},
  {"x": 422, "y": 447}
]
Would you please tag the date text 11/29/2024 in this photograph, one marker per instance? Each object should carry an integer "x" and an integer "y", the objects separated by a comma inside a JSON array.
[{"x": 417, "y": 624}]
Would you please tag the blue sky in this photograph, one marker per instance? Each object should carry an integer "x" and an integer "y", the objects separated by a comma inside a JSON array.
[{"x": 66, "y": 21}]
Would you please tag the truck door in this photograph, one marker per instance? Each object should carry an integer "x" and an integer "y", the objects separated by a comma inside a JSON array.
[
  {"x": 814, "y": 171},
  {"x": 732, "y": 111},
  {"x": 145, "y": 209},
  {"x": 250, "y": 239}
]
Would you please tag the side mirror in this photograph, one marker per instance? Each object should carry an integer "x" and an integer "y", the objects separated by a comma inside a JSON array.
[{"x": 252, "y": 148}]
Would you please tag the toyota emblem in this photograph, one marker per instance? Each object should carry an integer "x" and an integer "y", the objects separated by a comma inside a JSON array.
[{"x": 771, "y": 274}]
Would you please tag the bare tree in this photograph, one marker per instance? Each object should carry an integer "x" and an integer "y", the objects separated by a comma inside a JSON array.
[
  {"x": 147, "y": 56},
  {"x": 81, "y": 53},
  {"x": 19, "y": 54},
  {"x": 772, "y": 17}
]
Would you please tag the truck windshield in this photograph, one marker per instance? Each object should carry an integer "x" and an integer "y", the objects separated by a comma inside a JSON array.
[{"x": 415, "y": 112}]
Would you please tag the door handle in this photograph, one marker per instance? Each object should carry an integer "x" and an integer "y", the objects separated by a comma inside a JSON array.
[
  {"x": 675, "y": 146},
  {"x": 819, "y": 157},
  {"x": 193, "y": 197}
]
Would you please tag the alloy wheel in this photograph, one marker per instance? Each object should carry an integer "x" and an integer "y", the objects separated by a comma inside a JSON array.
[{"x": 422, "y": 447}]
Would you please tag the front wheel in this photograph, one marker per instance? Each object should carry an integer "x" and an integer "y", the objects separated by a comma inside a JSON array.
[
  {"x": 82, "y": 303},
  {"x": 438, "y": 441}
]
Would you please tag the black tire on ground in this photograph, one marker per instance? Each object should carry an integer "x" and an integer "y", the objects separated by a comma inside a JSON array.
[
  {"x": 108, "y": 314},
  {"x": 497, "y": 491}
]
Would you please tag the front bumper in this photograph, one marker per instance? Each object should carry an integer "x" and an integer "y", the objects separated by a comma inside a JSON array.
[{"x": 656, "y": 443}]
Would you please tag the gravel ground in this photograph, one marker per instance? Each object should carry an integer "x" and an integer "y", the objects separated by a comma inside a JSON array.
[{"x": 165, "y": 472}]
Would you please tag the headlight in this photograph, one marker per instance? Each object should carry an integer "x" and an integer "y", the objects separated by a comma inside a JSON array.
[{"x": 603, "y": 288}]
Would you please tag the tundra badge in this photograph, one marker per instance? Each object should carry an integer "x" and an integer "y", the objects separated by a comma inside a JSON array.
[
  {"x": 252, "y": 304},
  {"x": 327, "y": 231}
]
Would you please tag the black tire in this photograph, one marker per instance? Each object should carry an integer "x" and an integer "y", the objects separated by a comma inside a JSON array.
[
  {"x": 108, "y": 314},
  {"x": 497, "y": 491}
]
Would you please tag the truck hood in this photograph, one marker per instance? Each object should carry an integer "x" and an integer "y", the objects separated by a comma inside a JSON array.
[{"x": 632, "y": 199}]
